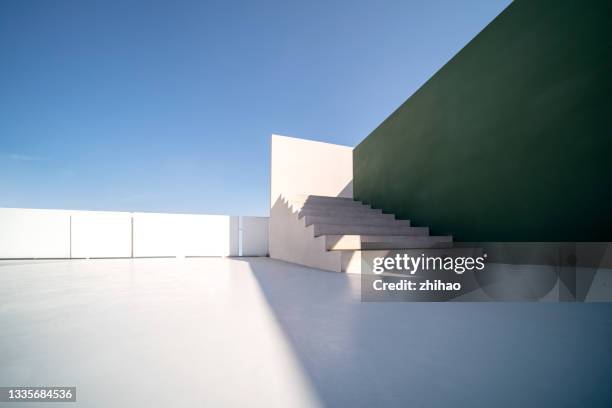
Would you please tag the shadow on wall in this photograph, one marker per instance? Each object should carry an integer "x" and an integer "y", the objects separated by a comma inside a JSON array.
[
  {"x": 301, "y": 167},
  {"x": 437, "y": 354},
  {"x": 291, "y": 240},
  {"x": 347, "y": 191}
]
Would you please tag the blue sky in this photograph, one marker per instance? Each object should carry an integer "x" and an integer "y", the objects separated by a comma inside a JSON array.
[{"x": 169, "y": 106}]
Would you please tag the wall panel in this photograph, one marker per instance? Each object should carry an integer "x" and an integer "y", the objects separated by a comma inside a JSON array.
[
  {"x": 254, "y": 236},
  {"x": 30, "y": 233},
  {"x": 185, "y": 235},
  {"x": 100, "y": 234}
]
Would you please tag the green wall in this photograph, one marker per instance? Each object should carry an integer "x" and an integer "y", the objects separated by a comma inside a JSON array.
[{"x": 512, "y": 139}]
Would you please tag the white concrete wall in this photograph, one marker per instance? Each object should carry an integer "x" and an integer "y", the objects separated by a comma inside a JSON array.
[
  {"x": 300, "y": 166},
  {"x": 254, "y": 236},
  {"x": 185, "y": 235},
  {"x": 100, "y": 234},
  {"x": 29, "y": 233},
  {"x": 292, "y": 241},
  {"x": 305, "y": 167}
]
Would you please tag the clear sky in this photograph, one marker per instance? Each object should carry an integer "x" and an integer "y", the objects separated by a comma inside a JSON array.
[{"x": 169, "y": 106}]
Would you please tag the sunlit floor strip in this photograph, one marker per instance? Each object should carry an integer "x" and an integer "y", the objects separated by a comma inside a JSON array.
[{"x": 147, "y": 333}]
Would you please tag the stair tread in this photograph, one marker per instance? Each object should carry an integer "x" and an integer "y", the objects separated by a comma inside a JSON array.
[
  {"x": 306, "y": 196},
  {"x": 384, "y": 238},
  {"x": 349, "y": 216},
  {"x": 348, "y": 205},
  {"x": 359, "y": 229},
  {"x": 372, "y": 220},
  {"x": 336, "y": 211}
]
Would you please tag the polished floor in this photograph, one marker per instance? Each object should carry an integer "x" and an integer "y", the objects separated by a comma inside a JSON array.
[{"x": 257, "y": 332}]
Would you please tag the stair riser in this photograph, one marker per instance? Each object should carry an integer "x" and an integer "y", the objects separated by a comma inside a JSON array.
[
  {"x": 356, "y": 220},
  {"x": 344, "y": 215},
  {"x": 386, "y": 238},
  {"x": 403, "y": 243},
  {"x": 349, "y": 206},
  {"x": 332, "y": 229},
  {"x": 416, "y": 245},
  {"x": 332, "y": 212}
]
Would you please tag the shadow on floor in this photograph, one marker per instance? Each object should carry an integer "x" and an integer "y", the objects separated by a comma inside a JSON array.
[{"x": 438, "y": 354}]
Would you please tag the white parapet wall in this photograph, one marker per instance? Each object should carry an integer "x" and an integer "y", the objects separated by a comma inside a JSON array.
[
  {"x": 305, "y": 167},
  {"x": 254, "y": 236},
  {"x": 101, "y": 234},
  {"x": 185, "y": 235},
  {"x": 28, "y": 233},
  {"x": 34, "y": 233}
]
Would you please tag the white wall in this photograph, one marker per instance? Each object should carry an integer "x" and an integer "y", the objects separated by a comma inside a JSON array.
[
  {"x": 300, "y": 166},
  {"x": 98, "y": 234},
  {"x": 185, "y": 235},
  {"x": 254, "y": 236},
  {"x": 29, "y": 233},
  {"x": 305, "y": 167}
]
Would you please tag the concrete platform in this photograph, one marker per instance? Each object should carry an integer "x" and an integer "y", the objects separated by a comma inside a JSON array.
[{"x": 258, "y": 332}]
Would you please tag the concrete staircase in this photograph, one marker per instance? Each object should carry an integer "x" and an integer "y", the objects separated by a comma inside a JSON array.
[
  {"x": 351, "y": 225},
  {"x": 348, "y": 227}
]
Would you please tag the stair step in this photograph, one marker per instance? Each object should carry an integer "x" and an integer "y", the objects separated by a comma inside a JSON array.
[
  {"x": 378, "y": 242},
  {"x": 340, "y": 229},
  {"x": 317, "y": 198},
  {"x": 349, "y": 212},
  {"x": 375, "y": 220},
  {"x": 372, "y": 214},
  {"x": 352, "y": 205},
  {"x": 320, "y": 202},
  {"x": 355, "y": 233}
]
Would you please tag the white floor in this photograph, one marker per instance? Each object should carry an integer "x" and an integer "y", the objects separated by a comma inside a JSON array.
[{"x": 258, "y": 332}]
